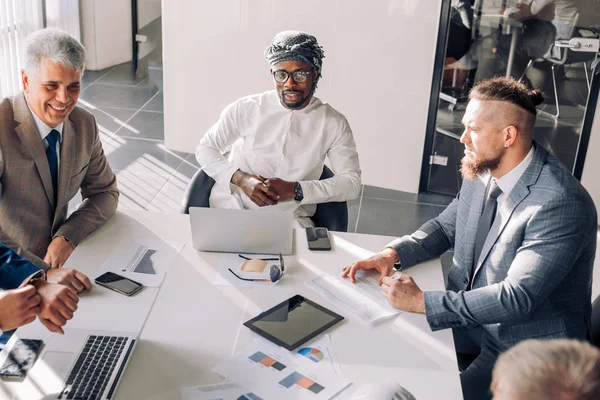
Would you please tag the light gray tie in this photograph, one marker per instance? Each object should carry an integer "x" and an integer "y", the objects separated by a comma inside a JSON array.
[{"x": 486, "y": 220}]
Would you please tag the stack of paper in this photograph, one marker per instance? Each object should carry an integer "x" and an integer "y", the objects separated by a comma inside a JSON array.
[{"x": 265, "y": 371}]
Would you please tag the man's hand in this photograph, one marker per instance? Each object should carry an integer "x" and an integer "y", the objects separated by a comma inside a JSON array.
[
  {"x": 58, "y": 303},
  {"x": 254, "y": 187},
  {"x": 403, "y": 294},
  {"x": 71, "y": 278},
  {"x": 382, "y": 262},
  {"x": 58, "y": 252},
  {"x": 284, "y": 189},
  {"x": 18, "y": 307}
]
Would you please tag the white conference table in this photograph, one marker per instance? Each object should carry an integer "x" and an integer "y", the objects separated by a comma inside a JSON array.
[{"x": 190, "y": 325}]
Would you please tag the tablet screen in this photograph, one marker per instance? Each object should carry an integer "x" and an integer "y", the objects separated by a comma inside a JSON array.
[{"x": 293, "y": 322}]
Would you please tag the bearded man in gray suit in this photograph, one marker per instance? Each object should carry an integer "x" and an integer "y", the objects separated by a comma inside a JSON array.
[{"x": 523, "y": 231}]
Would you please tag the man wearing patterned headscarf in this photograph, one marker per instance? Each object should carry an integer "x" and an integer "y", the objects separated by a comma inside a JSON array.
[{"x": 278, "y": 140}]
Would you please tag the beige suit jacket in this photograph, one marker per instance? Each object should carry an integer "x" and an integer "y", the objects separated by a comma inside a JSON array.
[{"x": 29, "y": 215}]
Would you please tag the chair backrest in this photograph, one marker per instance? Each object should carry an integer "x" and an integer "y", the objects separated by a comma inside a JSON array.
[{"x": 332, "y": 215}]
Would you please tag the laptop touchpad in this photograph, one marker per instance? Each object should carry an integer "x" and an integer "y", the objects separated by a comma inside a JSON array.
[
  {"x": 52, "y": 370},
  {"x": 58, "y": 362},
  {"x": 47, "y": 376}
]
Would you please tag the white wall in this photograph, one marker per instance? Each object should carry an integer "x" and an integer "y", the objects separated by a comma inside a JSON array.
[
  {"x": 377, "y": 71},
  {"x": 591, "y": 168},
  {"x": 590, "y": 180},
  {"x": 106, "y": 32},
  {"x": 64, "y": 15},
  {"x": 148, "y": 11}
]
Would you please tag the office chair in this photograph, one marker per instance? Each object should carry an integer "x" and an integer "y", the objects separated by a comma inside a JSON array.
[
  {"x": 332, "y": 215},
  {"x": 567, "y": 57},
  {"x": 595, "y": 334}
]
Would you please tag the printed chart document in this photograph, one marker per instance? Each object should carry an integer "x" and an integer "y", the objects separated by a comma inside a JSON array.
[
  {"x": 219, "y": 391},
  {"x": 363, "y": 298},
  {"x": 145, "y": 261},
  {"x": 319, "y": 354},
  {"x": 272, "y": 372}
]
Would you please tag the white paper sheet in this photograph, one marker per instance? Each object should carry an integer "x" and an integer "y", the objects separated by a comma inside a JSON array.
[
  {"x": 145, "y": 261},
  {"x": 319, "y": 354},
  {"x": 274, "y": 373},
  {"x": 363, "y": 298},
  {"x": 219, "y": 391}
]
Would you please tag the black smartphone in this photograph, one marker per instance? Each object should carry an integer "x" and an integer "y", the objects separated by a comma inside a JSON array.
[
  {"x": 21, "y": 358},
  {"x": 318, "y": 238},
  {"x": 119, "y": 283}
]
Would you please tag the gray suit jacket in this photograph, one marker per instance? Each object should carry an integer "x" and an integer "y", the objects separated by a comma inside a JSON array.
[
  {"x": 534, "y": 276},
  {"x": 29, "y": 215}
]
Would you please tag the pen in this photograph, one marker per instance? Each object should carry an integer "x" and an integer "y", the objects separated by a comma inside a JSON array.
[{"x": 397, "y": 276}]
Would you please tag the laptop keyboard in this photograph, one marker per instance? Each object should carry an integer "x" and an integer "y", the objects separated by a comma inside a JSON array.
[{"x": 94, "y": 367}]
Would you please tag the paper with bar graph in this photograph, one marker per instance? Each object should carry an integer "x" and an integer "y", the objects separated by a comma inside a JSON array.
[
  {"x": 218, "y": 391},
  {"x": 145, "y": 260},
  {"x": 273, "y": 372}
]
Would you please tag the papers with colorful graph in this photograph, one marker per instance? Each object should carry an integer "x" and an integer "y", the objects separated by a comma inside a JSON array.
[
  {"x": 272, "y": 372},
  {"x": 319, "y": 354},
  {"x": 145, "y": 261},
  {"x": 363, "y": 298},
  {"x": 219, "y": 391}
]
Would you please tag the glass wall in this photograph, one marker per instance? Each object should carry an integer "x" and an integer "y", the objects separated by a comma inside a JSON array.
[{"x": 488, "y": 38}]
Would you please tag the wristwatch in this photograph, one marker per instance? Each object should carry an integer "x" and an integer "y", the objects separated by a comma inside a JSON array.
[
  {"x": 397, "y": 266},
  {"x": 39, "y": 276},
  {"x": 298, "y": 192}
]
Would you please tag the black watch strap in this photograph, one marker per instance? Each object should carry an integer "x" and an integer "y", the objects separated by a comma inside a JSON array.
[{"x": 299, "y": 195}]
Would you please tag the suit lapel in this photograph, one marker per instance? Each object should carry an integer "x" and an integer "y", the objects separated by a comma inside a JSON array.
[
  {"x": 66, "y": 158},
  {"x": 27, "y": 131},
  {"x": 515, "y": 197}
]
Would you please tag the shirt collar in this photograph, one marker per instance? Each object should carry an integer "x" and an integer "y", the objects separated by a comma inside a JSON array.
[
  {"x": 508, "y": 181},
  {"x": 44, "y": 129}
]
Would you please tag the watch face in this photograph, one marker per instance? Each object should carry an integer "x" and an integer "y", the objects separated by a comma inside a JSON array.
[{"x": 298, "y": 192}]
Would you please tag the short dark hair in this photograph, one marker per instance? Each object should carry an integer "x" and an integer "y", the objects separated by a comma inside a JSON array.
[{"x": 508, "y": 89}]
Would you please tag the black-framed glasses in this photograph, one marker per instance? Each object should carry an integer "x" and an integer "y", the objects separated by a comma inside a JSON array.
[
  {"x": 282, "y": 76},
  {"x": 275, "y": 270}
]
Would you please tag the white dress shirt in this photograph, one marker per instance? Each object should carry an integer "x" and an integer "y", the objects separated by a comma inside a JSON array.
[
  {"x": 44, "y": 130},
  {"x": 508, "y": 181},
  {"x": 268, "y": 139}
]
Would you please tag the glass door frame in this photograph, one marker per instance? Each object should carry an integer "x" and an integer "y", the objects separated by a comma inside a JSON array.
[{"x": 436, "y": 85}]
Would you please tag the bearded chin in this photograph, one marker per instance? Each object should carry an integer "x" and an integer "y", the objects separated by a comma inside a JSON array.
[{"x": 471, "y": 169}]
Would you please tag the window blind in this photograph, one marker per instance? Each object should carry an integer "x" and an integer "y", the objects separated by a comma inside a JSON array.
[{"x": 18, "y": 18}]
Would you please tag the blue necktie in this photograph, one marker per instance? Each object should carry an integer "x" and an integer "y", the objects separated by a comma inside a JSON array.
[{"x": 52, "y": 139}]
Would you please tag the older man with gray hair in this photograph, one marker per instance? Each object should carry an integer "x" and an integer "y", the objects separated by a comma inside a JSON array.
[
  {"x": 49, "y": 150},
  {"x": 548, "y": 369},
  {"x": 278, "y": 140}
]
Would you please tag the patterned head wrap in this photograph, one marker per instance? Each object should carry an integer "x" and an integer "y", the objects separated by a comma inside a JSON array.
[{"x": 296, "y": 46}]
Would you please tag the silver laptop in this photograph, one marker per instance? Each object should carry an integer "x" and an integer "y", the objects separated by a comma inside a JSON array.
[
  {"x": 242, "y": 231},
  {"x": 81, "y": 364}
]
